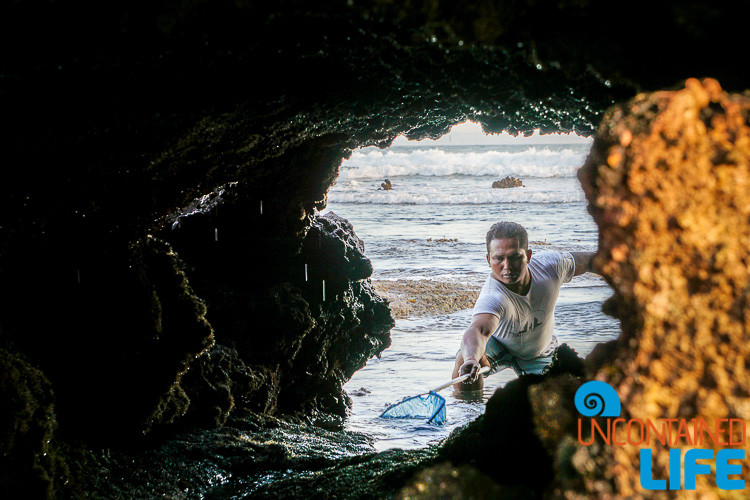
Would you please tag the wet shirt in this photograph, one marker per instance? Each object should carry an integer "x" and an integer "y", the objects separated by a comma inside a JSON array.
[{"x": 527, "y": 321}]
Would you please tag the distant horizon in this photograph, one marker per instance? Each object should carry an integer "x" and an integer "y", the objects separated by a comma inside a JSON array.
[{"x": 471, "y": 134}]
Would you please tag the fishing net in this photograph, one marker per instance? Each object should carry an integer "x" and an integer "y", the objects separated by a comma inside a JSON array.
[{"x": 430, "y": 406}]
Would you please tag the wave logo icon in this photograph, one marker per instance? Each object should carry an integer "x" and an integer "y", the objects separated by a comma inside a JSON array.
[{"x": 597, "y": 399}]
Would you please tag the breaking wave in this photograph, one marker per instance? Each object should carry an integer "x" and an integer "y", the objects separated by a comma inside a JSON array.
[
  {"x": 477, "y": 198},
  {"x": 541, "y": 162}
]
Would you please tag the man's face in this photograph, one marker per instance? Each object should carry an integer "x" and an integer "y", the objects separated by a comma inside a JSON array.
[{"x": 509, "y": 262}]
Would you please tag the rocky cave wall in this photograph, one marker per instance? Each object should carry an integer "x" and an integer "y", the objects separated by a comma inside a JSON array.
[
  {"x": 667, "y": 184},
  {"x": 144, "y": 290}
]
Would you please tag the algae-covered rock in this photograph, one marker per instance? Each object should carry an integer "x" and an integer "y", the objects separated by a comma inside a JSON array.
[
  {"x": 410, "y": 298},
  {"x": 219, "y": 380},
  {"x": 351, "y": 327}
]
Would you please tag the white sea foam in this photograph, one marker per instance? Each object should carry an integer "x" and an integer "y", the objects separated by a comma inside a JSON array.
[
  {"x": 518, "y": 195},
  {"x": 541, "y": 162}
]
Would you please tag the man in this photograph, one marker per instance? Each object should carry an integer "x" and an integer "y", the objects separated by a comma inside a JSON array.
[{"x": 514, "y": 316}]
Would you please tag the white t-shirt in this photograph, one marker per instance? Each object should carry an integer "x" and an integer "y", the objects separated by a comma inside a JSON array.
[{"x": 527, "y": 322}]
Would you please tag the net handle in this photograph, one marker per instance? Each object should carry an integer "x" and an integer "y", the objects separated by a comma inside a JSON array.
[{"x": 456, "y": 380}]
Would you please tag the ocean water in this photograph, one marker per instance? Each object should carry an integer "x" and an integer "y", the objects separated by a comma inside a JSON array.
[{"x": 432, "y": 225}]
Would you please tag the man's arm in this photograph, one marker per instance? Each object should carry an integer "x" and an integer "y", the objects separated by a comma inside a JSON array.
[
  {"x": 474, "y": 342},
  {"x": 584, "y": 262}
]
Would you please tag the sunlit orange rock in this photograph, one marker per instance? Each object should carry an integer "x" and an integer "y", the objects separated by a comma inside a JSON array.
[{"x": 668, "y": 183}]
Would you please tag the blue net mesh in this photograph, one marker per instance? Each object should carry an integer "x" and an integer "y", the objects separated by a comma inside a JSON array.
[{"x": 430, "y": 406}]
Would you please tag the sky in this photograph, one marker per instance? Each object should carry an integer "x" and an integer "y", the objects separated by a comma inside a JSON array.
[{"x": 470, "y": 134}]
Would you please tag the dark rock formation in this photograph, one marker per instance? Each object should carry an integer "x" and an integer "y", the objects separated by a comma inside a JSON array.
[
  {"x": 505, "y": 443},
  {"x": 219, "y": 381},
  {"x": 508, "y": 182},
  {"x": 30, "y": 457},
  {"x": 253, "y": 455},
  {"x": 87, "y": 320},
  {"x": 336, "y": 254},
  {"x": 294, "y": 343},
  {"x": 502, "y": 444}
]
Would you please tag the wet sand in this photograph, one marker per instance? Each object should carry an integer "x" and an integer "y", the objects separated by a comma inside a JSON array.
[{"x": 413, "y": 298}]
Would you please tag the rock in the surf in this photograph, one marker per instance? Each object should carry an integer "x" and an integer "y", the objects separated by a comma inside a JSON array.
[{"x": 508, "y": 182}]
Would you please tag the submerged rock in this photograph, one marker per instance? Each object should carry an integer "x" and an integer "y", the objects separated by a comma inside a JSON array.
[{"x": 412, "y": 298}]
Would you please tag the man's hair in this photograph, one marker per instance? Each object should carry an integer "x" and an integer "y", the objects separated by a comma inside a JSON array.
[{"x": 508, "y": 230}]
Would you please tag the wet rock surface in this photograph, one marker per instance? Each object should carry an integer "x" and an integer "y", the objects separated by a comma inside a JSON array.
[
  {"x": 251, "y": 455},
  {"x": 464, "y": 481}
]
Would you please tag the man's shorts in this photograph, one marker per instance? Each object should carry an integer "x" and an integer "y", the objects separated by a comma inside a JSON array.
[{"x": 500, "y": 358}]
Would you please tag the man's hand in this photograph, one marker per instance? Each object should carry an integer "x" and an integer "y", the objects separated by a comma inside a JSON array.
[
  {"x": 471, "y": 366},
  {"x": 472, "y": 347}
]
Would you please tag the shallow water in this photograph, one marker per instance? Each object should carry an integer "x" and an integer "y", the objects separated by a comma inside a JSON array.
[
  {"x": 445, "y": 193},
  {"x": 422, "y": 355}
]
